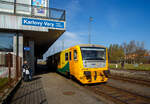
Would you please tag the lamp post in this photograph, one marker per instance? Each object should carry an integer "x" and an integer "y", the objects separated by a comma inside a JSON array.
[{"x": 90, "y": 20}]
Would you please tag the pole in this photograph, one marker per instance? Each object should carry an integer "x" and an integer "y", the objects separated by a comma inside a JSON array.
[{"x": 90, "y": 20}]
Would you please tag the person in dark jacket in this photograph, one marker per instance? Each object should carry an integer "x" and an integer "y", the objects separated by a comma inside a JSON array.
[
  {"x": 26, "y": 71},
  {"x": 30, "y": 75}
]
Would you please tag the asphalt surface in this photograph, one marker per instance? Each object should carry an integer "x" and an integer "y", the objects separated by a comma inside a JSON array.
[
  {"x": 60, "y": 90},
  {"x": 52, "y": 88}
]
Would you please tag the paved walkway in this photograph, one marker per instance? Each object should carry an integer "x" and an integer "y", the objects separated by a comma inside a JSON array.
[
  {"x": 30, "y": 93},
  {"x": 53, "y": 88}
]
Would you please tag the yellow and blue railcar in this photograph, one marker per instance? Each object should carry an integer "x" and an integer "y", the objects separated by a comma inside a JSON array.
[{"x": 87, "y": 63}]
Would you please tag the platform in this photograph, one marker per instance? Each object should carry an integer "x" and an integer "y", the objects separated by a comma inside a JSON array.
[
  {"x": 30, "y": 93},
  {"x": 52, "y": 88}
]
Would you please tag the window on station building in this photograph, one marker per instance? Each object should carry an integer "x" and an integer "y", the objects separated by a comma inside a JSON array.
[
  {"x": 75, "y": 54},
  {"x": 69, "y": 55},
  {"x": 7, "y": 6},
  {"x": 6, "y": 42},
  {"x": 66, "y": 56}
]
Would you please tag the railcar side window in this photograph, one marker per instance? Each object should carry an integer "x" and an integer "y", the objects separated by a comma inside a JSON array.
[
  {"x": 75, "y": 54},
  {"x": 66, "y": 56},
  {"x": 69, "y": 55}
]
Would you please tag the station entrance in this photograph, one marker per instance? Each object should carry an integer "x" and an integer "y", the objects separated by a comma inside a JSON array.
[{"x": 37, "y": 43}]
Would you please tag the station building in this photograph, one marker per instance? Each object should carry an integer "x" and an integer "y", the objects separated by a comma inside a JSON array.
[{"x": 29, "y": 27}]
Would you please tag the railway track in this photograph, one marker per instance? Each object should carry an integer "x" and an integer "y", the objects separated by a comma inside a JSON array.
[
  {"x": 132, "y": 70},
  {"x": 117, "y": 95},
  {"x": 131, "y": 80}
]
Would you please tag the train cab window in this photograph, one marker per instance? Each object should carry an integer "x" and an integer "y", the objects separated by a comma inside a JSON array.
[
  {"x": 75, "y": 54},
  {"x": 66, "y": 56},
  {"x": 69, "y": 55}
]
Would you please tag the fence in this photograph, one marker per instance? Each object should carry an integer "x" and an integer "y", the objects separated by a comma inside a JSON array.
[
  {"x": 10, "y": 72},
  {"x": 31, "y": 10}
]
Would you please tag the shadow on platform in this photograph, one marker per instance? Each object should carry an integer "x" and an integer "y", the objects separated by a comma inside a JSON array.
[
  {"x": 31, "y": 92},
  {"x": 41, "y": 69}
]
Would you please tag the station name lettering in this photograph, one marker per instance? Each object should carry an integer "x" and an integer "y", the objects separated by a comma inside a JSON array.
[{"x": 42, "y": 23}]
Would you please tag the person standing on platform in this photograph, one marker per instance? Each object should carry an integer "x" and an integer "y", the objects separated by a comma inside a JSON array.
[
  {"x": 26, "y": 72},
  {"x": 25, "y": 67}
]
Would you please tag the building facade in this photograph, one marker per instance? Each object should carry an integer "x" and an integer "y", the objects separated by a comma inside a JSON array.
[{"x": 29, "y": 27}]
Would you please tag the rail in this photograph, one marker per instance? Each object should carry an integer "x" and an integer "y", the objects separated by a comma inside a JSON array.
[
  {"x": 10, "y": 72},
  {"x": 31, "y": 10},
  {"x": 117, "y": 95}
]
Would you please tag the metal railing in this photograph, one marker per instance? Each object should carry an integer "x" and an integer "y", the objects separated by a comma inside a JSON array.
[
  {"x": 31, "y": 10},
  {"x": 10, "y": 72}
]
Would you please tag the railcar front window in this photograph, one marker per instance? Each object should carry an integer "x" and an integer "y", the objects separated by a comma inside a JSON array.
[{"x": 93, "y": 53}]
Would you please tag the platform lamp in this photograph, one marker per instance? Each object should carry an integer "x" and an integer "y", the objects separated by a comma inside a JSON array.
[{"x": 90, "y": 21}]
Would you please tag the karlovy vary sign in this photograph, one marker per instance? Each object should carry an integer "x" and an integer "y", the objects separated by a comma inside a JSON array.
[{"x": 42, "y": 23}]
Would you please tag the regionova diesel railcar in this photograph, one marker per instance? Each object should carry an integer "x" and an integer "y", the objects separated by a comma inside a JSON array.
[{"x": 88, "y": 63}]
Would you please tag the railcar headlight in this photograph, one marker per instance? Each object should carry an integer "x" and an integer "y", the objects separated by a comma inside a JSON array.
[{"x": 87, "y": 74}]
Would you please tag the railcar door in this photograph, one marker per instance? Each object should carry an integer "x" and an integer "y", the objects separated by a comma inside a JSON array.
[
  {"x": 71, "y": 61},
  {"x": 62, "y": 63},
  {"x": 75, "y": 64}
]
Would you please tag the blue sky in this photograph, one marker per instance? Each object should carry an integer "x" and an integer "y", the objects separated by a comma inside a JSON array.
[{"x": 114, "y": 21}]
